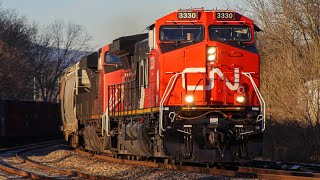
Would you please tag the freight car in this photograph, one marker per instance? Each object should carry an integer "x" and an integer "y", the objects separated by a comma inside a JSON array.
[
  {"x": 186, "y": 91},
  {"x": 28, "y": 120}
]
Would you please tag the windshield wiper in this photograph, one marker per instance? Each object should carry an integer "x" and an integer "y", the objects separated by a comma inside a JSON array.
[{"x": 184, "y": 42}]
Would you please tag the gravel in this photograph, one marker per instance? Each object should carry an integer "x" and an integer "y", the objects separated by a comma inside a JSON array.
[
  {"x": 9, "y": 159},
  {"x": 63, "y": 157}
]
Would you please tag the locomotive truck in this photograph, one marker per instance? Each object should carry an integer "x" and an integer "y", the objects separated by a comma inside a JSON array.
[{"x": 187, "y": 91}]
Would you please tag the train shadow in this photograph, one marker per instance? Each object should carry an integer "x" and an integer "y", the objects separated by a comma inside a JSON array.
[{"x": 291, "y": 141}]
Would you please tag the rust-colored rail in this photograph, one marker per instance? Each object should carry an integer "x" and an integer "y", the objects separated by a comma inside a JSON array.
[
  {"x": 242, "y": 171},
  {"x": 69, "y": 173},
  {"x": 13, "y": 170},
  {"x": 278, "y": 174}
]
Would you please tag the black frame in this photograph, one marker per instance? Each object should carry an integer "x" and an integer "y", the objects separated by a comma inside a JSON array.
[
  {"x": 203, "y": 32},
  {"x": 209, "y": 31}
]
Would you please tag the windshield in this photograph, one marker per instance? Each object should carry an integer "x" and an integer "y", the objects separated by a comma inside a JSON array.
[
  {"x": 182, "y": 33},
  {"x": 230, "y": 33}
]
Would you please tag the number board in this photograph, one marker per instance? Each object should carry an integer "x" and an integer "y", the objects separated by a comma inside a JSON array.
[
  {"x": 187, "y": 15},
  {"x": 225, "y": 15}
]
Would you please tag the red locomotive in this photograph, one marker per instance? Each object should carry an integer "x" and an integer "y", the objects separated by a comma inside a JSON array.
[{"x": 186, "y": 91}]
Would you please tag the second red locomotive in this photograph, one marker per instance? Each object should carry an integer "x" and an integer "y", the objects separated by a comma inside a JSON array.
[{"x": 186, "y": 91}]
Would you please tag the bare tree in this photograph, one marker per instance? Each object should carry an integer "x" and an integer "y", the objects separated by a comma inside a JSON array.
[
  {"x": 15, "y": 46},
  {"x": 33, "y": 58},
  {"x": 290, "y": 52},
  {"x": 55, "y": 48}
]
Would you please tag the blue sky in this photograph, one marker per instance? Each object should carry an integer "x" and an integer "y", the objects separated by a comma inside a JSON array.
[{"x": 106, "y": 20}]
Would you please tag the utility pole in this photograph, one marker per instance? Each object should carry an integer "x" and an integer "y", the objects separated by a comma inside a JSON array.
[{"x": 34, "y": 88}]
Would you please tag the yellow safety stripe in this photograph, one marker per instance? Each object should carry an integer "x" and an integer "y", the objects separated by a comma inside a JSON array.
[
  {"x": 96, "y": 117},
  {"x": 131, "y": 112},
  {"x": 137, "y": 111},
  {"x": 156, "y": 109}
]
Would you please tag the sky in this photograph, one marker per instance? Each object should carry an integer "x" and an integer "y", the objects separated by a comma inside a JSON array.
[{"x": 106, "y": 20}]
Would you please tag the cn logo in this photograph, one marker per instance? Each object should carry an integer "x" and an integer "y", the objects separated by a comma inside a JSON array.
[{"x": 212, "y": 73}]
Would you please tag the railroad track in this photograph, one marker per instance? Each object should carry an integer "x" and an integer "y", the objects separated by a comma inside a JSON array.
[
  {"x": 255, "y": 169},
  {"x": 51, "y": 161},
  {"x": 28, "y": 168},
  {"x": 10, "y": 168},
  {"x": 35, "y": 170}
]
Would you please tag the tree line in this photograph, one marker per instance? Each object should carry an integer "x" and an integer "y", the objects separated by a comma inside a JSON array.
[{"x": 33, "y": 57}]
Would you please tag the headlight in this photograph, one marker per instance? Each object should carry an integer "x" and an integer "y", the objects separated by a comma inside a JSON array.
[
  {"x": 211, "y": 53},
  {"x": 212, "y": 57},
  {"x": 240, "y": 99},
  {"x": 212, "y": 50},
  {"x": 189, "y": 99}
]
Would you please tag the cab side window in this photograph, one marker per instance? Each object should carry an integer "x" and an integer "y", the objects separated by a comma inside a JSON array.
[{"x": 111, "y": 59}]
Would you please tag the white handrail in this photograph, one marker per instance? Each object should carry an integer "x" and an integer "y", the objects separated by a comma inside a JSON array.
[
  {"x": 105, "y": 116},
  {"x": 164, "y": 97},
  {"x": 261, "y": 117}
]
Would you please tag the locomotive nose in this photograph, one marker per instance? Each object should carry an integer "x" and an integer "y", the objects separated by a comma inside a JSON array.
[{"x": 223, "y": 72}]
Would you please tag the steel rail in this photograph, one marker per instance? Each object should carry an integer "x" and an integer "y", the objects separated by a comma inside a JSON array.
[
  {"x": 18, "y": 155},
  {"x": 151, "y": 164},
  {"x": 16, "y": 171},
  {"x": 239, "y": 171},
  {"x": 69, "y": 173}
]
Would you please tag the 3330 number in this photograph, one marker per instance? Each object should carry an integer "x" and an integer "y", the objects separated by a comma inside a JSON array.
[
  {"x": 225, "y": 15},
  {"x": 187, "y": 15}
]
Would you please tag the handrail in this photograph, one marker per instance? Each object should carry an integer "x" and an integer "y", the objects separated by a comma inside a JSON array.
[
  {"x": 105, "y": 116},
  {"x": 164, "y": 97},
  {"x": 261, "y": 117}
]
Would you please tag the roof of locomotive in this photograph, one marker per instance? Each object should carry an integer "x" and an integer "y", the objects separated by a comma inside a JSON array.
[
  {"x": 132, "y": 37},
  {"x": 172, "y": 17}
]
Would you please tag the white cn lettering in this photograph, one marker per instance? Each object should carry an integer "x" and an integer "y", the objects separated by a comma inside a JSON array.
[{"x": 212, "y": 72}]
